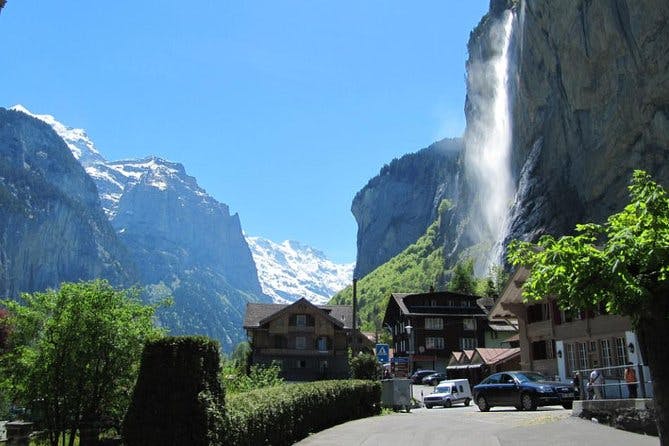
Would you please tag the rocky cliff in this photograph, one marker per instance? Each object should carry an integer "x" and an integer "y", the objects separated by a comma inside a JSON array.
[
  {"x": 591, "y": 105},
  {"x": 588, "y": 102},
  {"x": 186, "y": 245},
  {"x": 396, "y": 207},
  {"x": 52, "y": 228}
]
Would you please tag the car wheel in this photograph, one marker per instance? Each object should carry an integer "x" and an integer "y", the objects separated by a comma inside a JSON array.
[
  {"x": 527, "y": 402},
  {"x": 448, "y": 403},
  {"x": 428, "y": 406},
  {"x": 567, "y": 405},
  {"x": 467, "y": 401},
  {"x": 435, "y": 382},
  {"x": 518, "y": 407},
  {"x": 482, "y": 403}
]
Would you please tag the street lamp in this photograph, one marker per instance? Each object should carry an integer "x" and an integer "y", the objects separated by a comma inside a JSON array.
[{"x": 409, "y": 330}]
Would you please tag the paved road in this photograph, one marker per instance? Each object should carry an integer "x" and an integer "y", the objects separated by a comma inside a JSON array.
[{"x": 466, "y": 425}]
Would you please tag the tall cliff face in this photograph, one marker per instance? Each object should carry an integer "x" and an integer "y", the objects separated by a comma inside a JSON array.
[
  {"x": 172, "y": 225},
  {"x": 186, "y": 245},
  {"x": 396, "y": 207},
  {"x": 588, "y": 102},
  {"x": 591, "y": 105},
  {"x": 52, "y": 228}
]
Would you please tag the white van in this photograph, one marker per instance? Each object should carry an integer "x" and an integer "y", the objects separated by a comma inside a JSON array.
[{"x": 448, "y": 393}]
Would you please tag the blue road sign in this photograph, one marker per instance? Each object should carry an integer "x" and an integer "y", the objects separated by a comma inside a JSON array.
[
  {"x": 382, "y": 352},
  {"x": 400, "y": 360}
]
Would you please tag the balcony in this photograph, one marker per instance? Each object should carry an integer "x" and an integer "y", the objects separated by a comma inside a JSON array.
[{"x": 298, "y": 352}]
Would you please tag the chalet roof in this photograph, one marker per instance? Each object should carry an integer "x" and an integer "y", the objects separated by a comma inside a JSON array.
[
  {"x": 492, "y": 356},
  {"x": 257, "y": 314},
  {"x": 467, "y": 355},
  {"x": 407, "y": 303},
  {"x": 512, "y": 294}
]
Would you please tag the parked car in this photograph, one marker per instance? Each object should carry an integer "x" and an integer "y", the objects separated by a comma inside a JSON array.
[
  {"x": 433, "y": 379},
  {"x": 418, "y": 375},
  {"x": 522, "y": 390},
  {"x": 448, "y": 393}
]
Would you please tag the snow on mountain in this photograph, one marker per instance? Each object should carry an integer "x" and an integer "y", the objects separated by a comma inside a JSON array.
[
  {"x": 113, "y": 177},
  {"x": 77, "y": 140},
  {"x": 289, "y": 271}
]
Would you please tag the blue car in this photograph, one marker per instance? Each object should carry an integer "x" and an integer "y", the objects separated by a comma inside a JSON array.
[{"x": 522, "y": 390}]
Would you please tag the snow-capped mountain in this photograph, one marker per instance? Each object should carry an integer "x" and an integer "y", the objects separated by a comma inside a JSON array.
[
  {"x": 77, "y": 140},
  {"x": 289, "y": 271},
  {"x": 184, "y": 243}
]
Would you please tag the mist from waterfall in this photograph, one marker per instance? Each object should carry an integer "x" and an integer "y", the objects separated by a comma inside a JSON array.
[{"x": 488, "y": 138}]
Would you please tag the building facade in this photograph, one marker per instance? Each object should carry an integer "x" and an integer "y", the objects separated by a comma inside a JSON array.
[
  {"x": 427, "y": 327},
  {"x": 309, "y": 342},
  {"x": 559, "y": 343}
]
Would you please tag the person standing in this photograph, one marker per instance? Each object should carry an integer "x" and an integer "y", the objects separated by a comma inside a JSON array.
[
  {"x": 630, "y": 379},
  {"x": 597, "y": 381}
]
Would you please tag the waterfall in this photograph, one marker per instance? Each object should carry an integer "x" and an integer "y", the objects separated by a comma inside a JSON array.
[{"x": 488, "y": 137}]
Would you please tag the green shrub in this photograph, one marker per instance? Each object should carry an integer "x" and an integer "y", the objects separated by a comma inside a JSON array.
[
  {"x": 178, "y": 398},
  {"x": 365, "y": 366},
  {"x": 282, "y": 415},
  {"x": 235, "y": 379}
]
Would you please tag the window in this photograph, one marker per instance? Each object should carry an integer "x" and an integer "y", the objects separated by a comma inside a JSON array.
[
  {"x": 434, "y": 343},
  {"x": 469, "y": 324},
  {"x": 434, "y": 323},
  {"x": 582, "y": 356},
  {"x": 571, "y": 359},
  {"x": 301, "y": 320},
  {"x": 450, "y": 303},
  {"x": 468, "y": 343},
  {"x": 621, "y": 351},
  {"x": 492, "y": 379},
  {"x": 300, "y": 342},
  {"x": 322, "y": 344},
  {"x": 301, "y": 364},
  {"x": 537, "y": 313},
  {"x": 606, "y": 352},
  {"x": 539, "y": 350},
  {"x": 465, "y": 303},
  {"x": 433, "y": 302}
]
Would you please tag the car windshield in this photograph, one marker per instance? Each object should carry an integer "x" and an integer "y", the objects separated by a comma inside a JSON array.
[
  {"x": 530, "y": 376},
  {"x": 443, "y": 389}
]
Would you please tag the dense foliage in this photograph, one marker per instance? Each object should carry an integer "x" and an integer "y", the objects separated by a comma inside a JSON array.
[
  {"x": 73, "y": 354},
  {"x": 622, "y": 264},
  {"x": 282, "y": 415},
  {"x": 178, "y": 398},
  {"x": 364, "y": 366},
  {"x": 236, "y": 379}
]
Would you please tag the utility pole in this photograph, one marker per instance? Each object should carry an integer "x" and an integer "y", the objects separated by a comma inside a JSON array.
[{"x": 354, "y": 343}]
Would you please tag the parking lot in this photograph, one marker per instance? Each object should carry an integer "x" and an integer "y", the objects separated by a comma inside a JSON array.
[{"x": 460, "y": 425}]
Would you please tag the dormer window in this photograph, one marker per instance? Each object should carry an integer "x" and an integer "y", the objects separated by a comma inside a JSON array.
[{"x": 301, "y": 320}]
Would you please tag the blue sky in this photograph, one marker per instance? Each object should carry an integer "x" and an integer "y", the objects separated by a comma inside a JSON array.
[{"x": 281, "y": 109}]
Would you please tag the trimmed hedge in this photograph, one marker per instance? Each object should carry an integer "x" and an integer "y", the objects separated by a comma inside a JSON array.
[
  {"x": 284, "y": 414},
  {"x": 178, "y": 399}
]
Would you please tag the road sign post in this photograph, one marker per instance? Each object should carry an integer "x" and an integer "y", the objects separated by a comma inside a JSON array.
[{"x": 383, "y": 353}]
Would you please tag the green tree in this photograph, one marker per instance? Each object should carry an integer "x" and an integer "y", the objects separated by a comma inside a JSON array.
[
  {"x": 624, "y": 264},
  {"x": 74, "y": 354},
  {"x": 463, "y": 279},
  {"x": 364, "y": 366}
]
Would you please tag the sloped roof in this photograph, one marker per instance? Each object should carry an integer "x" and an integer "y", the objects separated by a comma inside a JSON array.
[
  {"x": 258, "y": 314},
  {"x": 512, "y": 294},
  {"x": 495, "y": 355},
  {"x": 408, "y": 308}
]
